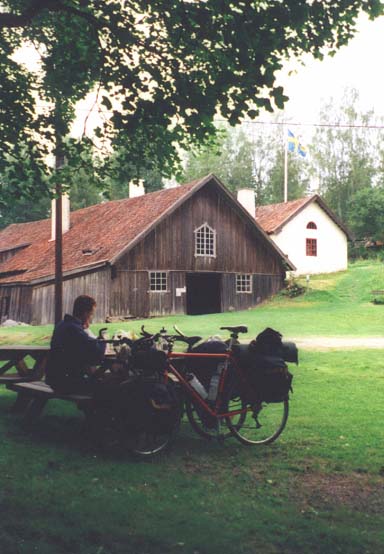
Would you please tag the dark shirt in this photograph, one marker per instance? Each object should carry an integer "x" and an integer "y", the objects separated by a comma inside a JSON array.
[{"x": 73, "y": 351}]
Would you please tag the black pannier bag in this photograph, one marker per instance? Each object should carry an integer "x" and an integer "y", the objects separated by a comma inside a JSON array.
[
  {"x": 264, "y": 362},
  {"x": 149, "y": 360},
  {"x": 147, "y": 406},
  {"x": 205, "y": 368}
]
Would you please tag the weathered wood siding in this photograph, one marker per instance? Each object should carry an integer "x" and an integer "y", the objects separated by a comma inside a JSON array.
[
  {"x": 19, "y": 302},
  {"x": 95, "y": 284},
  {"x": 263, "y": 286},
  {"x": 171, "y": 247}
]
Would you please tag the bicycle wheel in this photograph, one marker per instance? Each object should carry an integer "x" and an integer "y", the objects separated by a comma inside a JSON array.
[
  {"x": 260, "y": 424},
  {"x": 114, "y": 434},
  {"x": 204, "y": 424},
  {"x": 150, "y": 441},
  {"x": 147, "y": 444}
]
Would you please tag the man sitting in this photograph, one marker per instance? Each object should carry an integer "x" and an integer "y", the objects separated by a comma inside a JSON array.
[{"x": 74, "y": 353}]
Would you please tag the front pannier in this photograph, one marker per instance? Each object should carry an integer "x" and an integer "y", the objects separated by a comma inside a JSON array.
[{"x": 149, "y": 361}]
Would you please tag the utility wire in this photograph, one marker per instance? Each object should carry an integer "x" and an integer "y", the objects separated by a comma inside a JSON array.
[{"x": 277, "y": 123}]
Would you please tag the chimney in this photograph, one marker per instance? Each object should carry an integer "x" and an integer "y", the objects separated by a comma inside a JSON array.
[
  {"x": 246, "y": 197},
  {"x": 136, "y": 188},
  {"x": 65, "y": 215}
]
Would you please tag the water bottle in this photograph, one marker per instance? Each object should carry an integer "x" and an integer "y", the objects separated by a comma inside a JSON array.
[
  {"x": 215, "y": 380},
  {"x": 196, "y": 385},
  {"x": 162, "y": 343}
]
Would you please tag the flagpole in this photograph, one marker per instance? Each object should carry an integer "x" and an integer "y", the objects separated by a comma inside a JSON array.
[{"x": 285, "y": 165}]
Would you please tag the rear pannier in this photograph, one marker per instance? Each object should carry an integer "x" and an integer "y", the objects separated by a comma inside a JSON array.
[{"x": 263, "y": 360}]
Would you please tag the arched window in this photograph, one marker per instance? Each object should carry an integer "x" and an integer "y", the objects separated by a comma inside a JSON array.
[
  {"x": 205, "y": 241},
  {"x": 311, "y": 225}
]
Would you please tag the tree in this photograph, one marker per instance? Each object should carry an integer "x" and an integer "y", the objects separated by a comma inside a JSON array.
[
  {"x": 229, "y": 155},
  {"x": 162, "y": 69},
  {"x": 344, "y": 152},
  {"x": 366, "y": 213},
  {"x": 250, "y": 158},
  {"x": 298, "y": 179}
]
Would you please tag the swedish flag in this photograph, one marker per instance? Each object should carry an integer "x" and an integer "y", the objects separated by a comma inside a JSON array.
[{"x": 294, "y": 145}]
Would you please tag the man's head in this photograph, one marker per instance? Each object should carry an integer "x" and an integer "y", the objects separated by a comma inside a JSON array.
[{"x": 84, "y": 308}]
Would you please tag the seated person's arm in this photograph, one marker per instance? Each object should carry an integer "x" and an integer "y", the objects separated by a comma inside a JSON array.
[{"x": 89, "y": 350}]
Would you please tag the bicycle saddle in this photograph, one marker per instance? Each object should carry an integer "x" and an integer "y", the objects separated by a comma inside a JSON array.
[{"x": 238, "y": 329}]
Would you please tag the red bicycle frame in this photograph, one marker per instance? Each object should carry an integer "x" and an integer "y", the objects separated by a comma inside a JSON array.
[{"x": 215, "y": 411}]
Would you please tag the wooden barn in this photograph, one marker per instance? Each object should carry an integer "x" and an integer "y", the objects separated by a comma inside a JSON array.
[{"x": 191, "y": 249}]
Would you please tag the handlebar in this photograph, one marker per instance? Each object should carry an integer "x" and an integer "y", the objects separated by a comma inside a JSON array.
[{"x": 170, "y": 338}]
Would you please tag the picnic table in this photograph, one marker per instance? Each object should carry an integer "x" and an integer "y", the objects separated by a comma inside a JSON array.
[
  {"x": 22, "y": 363},
  {"x": 15, "y": 357}
]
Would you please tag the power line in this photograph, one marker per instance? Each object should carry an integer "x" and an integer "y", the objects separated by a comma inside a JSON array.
[
  {"x": 300, "y": 124},
  {"x": 277, "y": 123}
]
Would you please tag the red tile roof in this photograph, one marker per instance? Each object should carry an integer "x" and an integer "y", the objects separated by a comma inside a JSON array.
[
  {"x": 274, "y": 216},
  {"x": 106, "y": 229}
]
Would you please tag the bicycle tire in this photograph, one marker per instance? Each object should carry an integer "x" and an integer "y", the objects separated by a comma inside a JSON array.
[
  {"x": 148, "y": 445},
  {"x": 260, "y": 425},
  {"x": 114, "y": 435}
]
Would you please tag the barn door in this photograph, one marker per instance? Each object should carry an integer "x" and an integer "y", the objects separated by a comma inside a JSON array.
[{"x": 203, "y": 293}]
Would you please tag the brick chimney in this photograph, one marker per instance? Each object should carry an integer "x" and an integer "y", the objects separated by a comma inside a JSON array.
[
  {"x": 65, "y": 215},
  {"x": 246, "y": 197}
]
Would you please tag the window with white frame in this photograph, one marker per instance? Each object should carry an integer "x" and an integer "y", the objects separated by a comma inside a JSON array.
[
  {"x": 205, "y": 241},
  {"x": 244, "y": 283},
  {"x": 158, "y": 281}
]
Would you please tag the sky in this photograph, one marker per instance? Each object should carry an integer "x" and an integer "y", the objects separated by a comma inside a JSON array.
[{"x": 357, "y": 65}]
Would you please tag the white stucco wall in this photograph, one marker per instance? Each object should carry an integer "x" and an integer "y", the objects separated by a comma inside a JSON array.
[{"x": 332, "y": 252}]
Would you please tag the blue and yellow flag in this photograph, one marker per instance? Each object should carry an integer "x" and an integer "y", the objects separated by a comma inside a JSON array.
[{"x": 294, "y": 145}]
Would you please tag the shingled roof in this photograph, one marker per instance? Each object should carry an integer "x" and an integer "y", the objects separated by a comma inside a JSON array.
[
  {"x": 98, "y": 234},
  {"x": 273, "y": 217}
]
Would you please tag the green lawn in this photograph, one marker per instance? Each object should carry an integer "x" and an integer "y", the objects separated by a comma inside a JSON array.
[
  {"x": 337, "y": 304},
  {"x": 319, "y": 489}
]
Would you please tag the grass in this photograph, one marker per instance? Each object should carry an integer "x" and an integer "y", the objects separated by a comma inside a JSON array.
[
  {"x": 318, "y": 489},
  {"x": 334, "y": 305}
]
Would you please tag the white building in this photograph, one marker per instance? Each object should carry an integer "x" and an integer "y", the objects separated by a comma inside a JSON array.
[{"x": 309, "y": 233}]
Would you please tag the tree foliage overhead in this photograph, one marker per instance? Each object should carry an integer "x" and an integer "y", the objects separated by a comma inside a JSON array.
[{"x": 163, "y": 68}]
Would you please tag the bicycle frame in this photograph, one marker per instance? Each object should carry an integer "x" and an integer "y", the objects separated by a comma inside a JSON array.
[{"x": 230, "y": 360}]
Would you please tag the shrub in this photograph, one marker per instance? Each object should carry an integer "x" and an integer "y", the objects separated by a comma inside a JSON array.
[{"x": 293, "y": 288}]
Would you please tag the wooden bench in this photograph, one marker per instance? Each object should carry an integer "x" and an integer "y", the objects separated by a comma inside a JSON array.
[{"x": 35, "y": 395}]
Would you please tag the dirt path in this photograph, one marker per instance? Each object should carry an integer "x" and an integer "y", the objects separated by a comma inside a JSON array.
[{"x": 339, "y": 343}]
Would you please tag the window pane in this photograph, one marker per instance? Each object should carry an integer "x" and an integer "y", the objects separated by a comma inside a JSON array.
[
  {"x": 158, "y": 281},
  {"x": 205, "y": 238},
  {"x": 243, "y": 283},
  {"x": 311, "y": 247}
]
